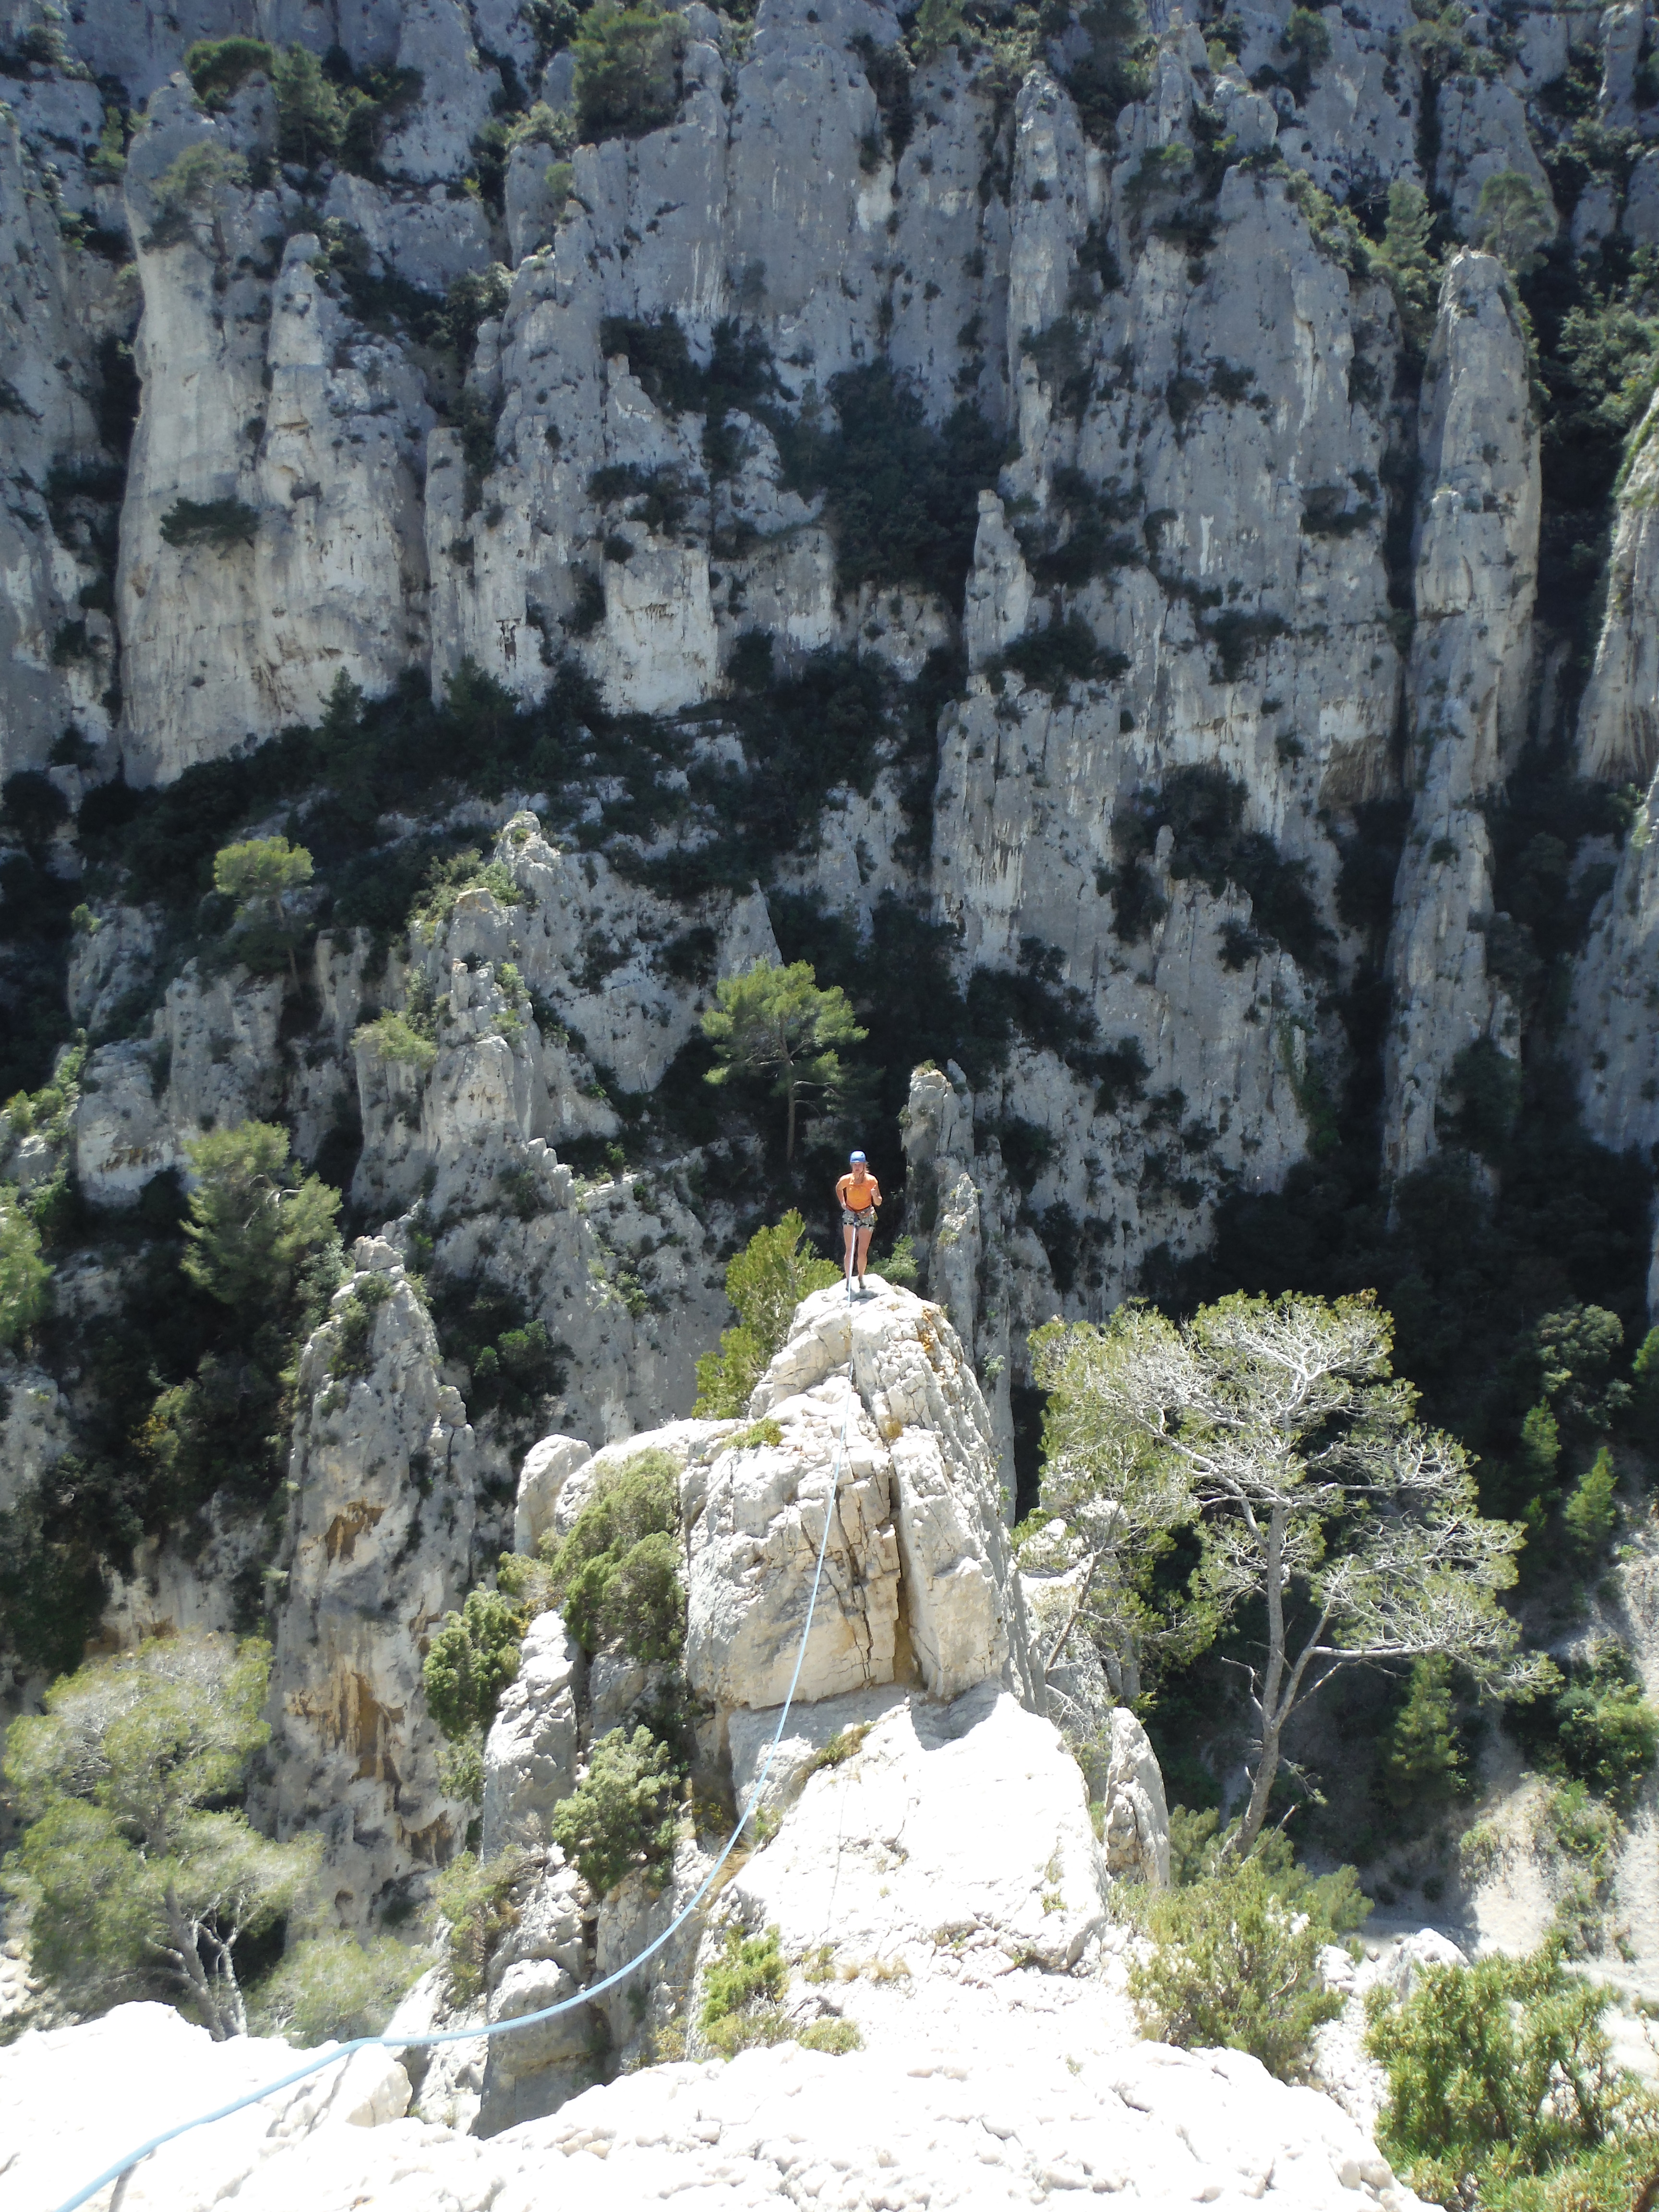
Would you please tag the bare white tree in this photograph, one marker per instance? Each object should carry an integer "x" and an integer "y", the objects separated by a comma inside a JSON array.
[{"x": 1276, "y": 1428}]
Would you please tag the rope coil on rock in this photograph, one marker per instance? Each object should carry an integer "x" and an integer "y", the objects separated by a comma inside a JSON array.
[{"x": 343, "y": 2051}]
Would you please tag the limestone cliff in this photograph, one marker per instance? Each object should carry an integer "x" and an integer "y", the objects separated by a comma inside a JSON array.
[{"x": 1026, "y": 522}]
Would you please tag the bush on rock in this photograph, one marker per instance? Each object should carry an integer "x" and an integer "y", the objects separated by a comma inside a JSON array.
[
  {"x": 1234, "y": 1961},
  {"x": 766, "y": 1281},
  {"x": 617, "y": 1574},
  {"x": 1503, "y": 2071},
  {"x": 623, "y": 1813}
]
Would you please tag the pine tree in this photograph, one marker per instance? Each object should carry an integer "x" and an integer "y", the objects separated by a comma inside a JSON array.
[
  {"x": 310, "y": 118},
  {"x": 776, "y": 1020}
]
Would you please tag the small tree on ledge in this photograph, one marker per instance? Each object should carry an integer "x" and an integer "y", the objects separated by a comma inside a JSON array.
[
  {"x": 776, "y": 1020},
  {"x": 257, "y": 874}
]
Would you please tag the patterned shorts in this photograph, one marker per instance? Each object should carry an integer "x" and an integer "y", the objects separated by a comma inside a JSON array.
[{"x": 865, "y": 1220}]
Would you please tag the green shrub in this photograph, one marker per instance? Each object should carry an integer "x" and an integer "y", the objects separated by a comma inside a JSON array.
[
  {"x": 628, "y": 62},
  {"x": 1515, "y": 221},
  {"x": 24, "y": 1275},
  {"x": 252, "y": 1238},
  {"x": 332, "y": 1988},
  {"x": 1064, "y": 653},
  {"x": 1591, "y": 1512},
  {"x": 138, "y": 1876},
  {"x": 1503, "y": 2070},
  {"x": 617, "y": 1574},
  {"x": 837, "y": 2035},
  {"x": 471, "y": 1658},
  {"x": 1576, "y": 1349},
  {"x": 218, "y": 67},
  {"x": 1203, "y": 807},
  {"x": 763, "y": 1431},
  {"x": 1645, "y": 1387},
  {"x": 901, "y": 498},
  {"x": 393, "y": 1038},
  {"x": 741, "y": 1990},
  {"x": 623, "y": 1814},
  {"x": 841, "y": 1747},
  {"x": 218, "y": 523},
  {"x": 448, "y": 879},
  {"x": 480, "y": 1899},
  {"x": 461, "y": 1768},
  {"x": 353, "y": 1325},
  {"x": 1598, "y": 1728},
  {"x": 766, "y": 1281},
  {"x": 902, "y": 1266},
  {"x": 1423, "y": 1763},
  {"x": 1235, "y": 1951}
]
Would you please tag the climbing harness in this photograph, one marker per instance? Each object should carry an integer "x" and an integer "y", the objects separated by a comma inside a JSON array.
[{"x": 548, "y": 2012}]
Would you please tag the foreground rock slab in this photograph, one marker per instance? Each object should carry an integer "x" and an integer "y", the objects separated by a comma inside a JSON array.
[
  {"x": 1057, "y": 2107},
  {"x": 76, "y": 2099}
]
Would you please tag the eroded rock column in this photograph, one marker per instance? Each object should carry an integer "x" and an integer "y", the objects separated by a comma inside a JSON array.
[{"x": 1477, "y": 568}]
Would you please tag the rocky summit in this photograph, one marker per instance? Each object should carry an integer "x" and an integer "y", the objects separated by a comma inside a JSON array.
[
  {"x": 929, "y": 1870},
  {"x": 602, "y": 602}
]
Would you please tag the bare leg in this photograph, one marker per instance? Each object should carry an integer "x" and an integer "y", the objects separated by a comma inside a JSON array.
[
  {"x": 865, "y": 1235},
  {"x": 849, "y": 1233}
]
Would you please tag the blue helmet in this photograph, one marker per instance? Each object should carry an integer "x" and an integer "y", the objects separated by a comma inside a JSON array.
[{"x": 856, "y": 1160}]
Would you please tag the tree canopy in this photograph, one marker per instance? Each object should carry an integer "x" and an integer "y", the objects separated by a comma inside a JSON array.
[
  {"x": 776, "y": 1021},
  {"x": 136, "y": 1879},
  {"x": 1276, "y": 1430},
  {"x": 252, "y": 1234}
]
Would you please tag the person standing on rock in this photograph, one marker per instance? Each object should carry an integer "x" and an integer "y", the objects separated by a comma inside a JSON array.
[{"x": 858, "y": 1194}]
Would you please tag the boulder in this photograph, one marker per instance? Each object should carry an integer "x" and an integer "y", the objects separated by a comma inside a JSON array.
[
  {"x": 934, "y": 1826},
  {"x": 547, "y": 1468},
  {"x": 1136, "y": 1829}
]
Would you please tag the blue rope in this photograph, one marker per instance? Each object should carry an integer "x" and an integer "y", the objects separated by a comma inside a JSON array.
[{"x": 548, "y": 2012}]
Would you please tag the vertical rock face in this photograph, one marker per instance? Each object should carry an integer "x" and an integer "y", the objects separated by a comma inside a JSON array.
[
  {"x": 57, "y": 309},
  {"x": 379, "y": 1547},
  {"x": 918, "y": 1528},
  {"x": 1476, "y": 563},
  {"x": 530, "y": 1756},
  {"x": 753, "y": 1543},
  {"x": 1619, "y": 718},
  {"x": 301, "y": 434}
]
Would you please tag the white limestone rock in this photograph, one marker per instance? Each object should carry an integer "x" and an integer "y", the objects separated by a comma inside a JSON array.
[
  {"x": 964, "y": 1609},
  {"x": 313, "y": 426},
  {"x": 378, "y": 1549},
  {"x": 1136, "y": 1835},
  {"x": 1612, "y": 1034},
  {"x": 530, "y": 1755},
  {"x": 949, "y": 1823},
  {"x": 446, "y": 2079},
  {"x": 153, "y": 2069},
  {"x": 424, "y": 236},
  {"x": 547, "y": 1466},
  {"x": 1618, "y": 719},
  {"x": 753, "y": 1535},
  {"x": 1477, "y": 566},
  {"x": 54, "y": 310},
  {"x": 1483, "y": 134},
  {"x": 1640, "y": 219},
  {"x": 543, "y": 1960}
]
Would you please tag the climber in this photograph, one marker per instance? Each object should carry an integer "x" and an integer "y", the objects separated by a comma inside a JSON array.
[{"x": 859, "y": 1194}]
